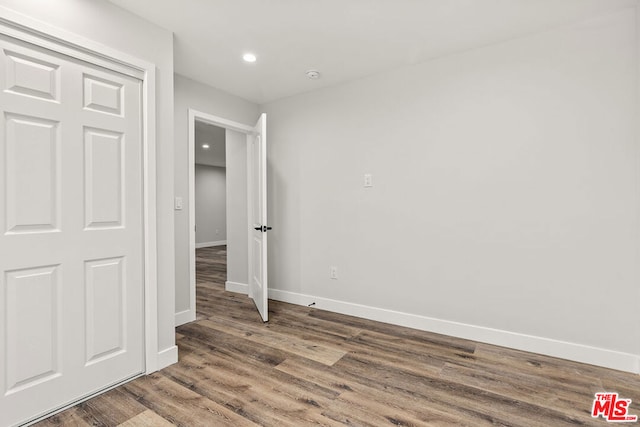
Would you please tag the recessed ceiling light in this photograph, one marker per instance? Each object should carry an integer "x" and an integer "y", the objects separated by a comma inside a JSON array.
[
  {"x": 205, "y": 146},
  {"x": 249, "y": 57}
]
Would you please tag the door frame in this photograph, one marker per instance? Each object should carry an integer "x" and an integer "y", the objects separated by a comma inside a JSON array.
[
  {"x": 63, "y": 42},
  {"x": 189, "y": 315}
]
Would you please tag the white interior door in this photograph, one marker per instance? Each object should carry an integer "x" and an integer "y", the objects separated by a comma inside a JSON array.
[
  {"x": 71, "y": 232},
  {"x": 258, "y": 288}
]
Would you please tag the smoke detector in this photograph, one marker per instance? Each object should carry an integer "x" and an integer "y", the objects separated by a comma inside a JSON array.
[{"x": 313, "y": 74}]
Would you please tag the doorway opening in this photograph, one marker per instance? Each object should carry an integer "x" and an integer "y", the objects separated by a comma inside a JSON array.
[
  {"x": 210, "y": 176},
  {"x": 242, "y": 156},
  {"x": 210, "y": 186}
]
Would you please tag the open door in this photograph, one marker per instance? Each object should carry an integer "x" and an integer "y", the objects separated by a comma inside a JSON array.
[{"x": 258, "y": 192}]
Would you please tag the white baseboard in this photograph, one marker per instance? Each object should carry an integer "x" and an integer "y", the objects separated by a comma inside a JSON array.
[
  {"x": 185, "y": 316},
  {"x": 209, "y": 244},
  {"x": 167, "y": 357},
  {"x": 561, "y": 349},
  {"x": 240, "y": 288}
]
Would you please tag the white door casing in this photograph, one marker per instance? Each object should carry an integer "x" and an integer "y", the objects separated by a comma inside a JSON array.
[
  {"x": 71, "y": 230},
  {"x": 256, "y": 169},
  {"x": 258, "y": 286}
]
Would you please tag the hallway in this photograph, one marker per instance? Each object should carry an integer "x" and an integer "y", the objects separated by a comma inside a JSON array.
[{"x": 211, "y": 274}]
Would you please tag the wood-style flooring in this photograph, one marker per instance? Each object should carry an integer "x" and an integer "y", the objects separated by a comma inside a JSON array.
[{"x": 312, "y": 367}]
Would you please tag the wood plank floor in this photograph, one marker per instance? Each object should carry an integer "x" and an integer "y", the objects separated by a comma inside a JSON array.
[{"x": 312, "y": 367}]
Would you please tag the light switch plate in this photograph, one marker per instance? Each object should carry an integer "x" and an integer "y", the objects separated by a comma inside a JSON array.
[
  {"x": 368, "y": 180},
  {"x": 178, "y": 203}
]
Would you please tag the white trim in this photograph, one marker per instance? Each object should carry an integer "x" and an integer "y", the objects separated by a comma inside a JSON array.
[
  {"x": 210, "y": 244},
  {"x": 561, "y": 349},
  {"x": 200, "y": 116},
  {"x": 249, "y": 214},
  {"x": 191, "y": 125},
  {"x": 53, "y": 38},
  {"x": 637, "y": 64},
  {"x": 167, "y": 357},
  {"x": 41, "y": 34},
  {"x": 239, "y": 288},
  {"x": 185, "y": 316},
  {"x": 220, "y": 122},
  {"x": 152, "y": 352}
]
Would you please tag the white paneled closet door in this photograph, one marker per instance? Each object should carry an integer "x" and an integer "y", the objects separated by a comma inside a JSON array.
[{"x": 71, "y": 232}]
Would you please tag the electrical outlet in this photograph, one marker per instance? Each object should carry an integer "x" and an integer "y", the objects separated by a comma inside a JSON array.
[{"x": 333, "y": 272}]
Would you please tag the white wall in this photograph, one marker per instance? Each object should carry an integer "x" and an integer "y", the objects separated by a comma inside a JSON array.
[
  {"x": 190, "y": 94},
  {"x": 237, "y": 221},
  {"x": 505, "y": 205},
  {"x": 211, "y": 204},
  {"x": 102, "y": 22}
]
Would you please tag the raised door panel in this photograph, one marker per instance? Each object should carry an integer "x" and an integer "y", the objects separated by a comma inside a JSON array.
[
  {"x": 30, "y": 76},
  {"x": 105, "y": 309},
  {"x": 104, "y": 184},
  {"x": 32, "y": 332},
  {"x": 103, "y": 95},
  {"x": 32, "y": 168}
]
